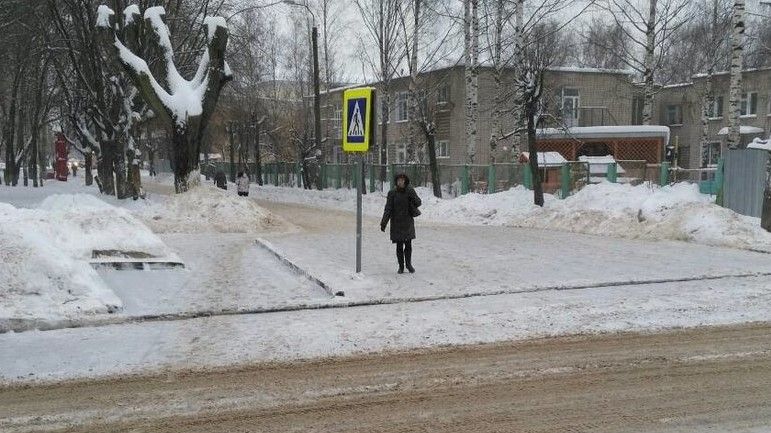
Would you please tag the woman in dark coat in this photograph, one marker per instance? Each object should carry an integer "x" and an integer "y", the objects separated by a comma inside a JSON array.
[{"x": 401, "y": 208}]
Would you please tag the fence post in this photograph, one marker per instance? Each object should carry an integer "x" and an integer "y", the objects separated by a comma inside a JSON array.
[
  {"x": 664, "y": 174},
  {"x": 565, "y": 180},
  {"x": 464, "y": 181},
  {"x": 491, "y": 179},
  {"x": 339, "y": 173},
  {"x": 275, "y": 173},
  {"x": 391, "y": 174},
  {"x": 298, "y": 174},
  {"x": 528, "y": 177},
  {"x": 612, "y": 172},
  {"x": 719, "y": 179}
]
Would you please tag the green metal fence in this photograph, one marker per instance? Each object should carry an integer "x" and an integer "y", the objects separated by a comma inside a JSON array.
[{"x": 459, "y": 179}]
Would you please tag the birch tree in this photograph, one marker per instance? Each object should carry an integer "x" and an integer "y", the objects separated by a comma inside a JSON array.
[
  {"x": 735, "y": 91},
  {"x": 381, "y": 21},
  {"x": 471, "y": 74},
  {"x": 184, "y": 105},
  {"x": 648, "y": 25}
]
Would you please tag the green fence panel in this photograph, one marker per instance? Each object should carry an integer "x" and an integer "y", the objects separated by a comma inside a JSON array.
[
  {"x": 564, "y": 181},
  {"x": 612, "y": 172},
  {"x": 464, "y": 182},
  {"x": 371, "y": 178},
  {"x": 491, "y": 179},
  {"x": 528, "y": 178},
  {"x": 664, "y": 174},
  {"x": 719, "y": 178}
]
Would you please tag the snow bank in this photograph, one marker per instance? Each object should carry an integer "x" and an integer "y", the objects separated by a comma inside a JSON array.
[
  {"x": 205, "y": 209},
  {"x": 677, "y": 212},
  {"x": 45, "y": 275}
]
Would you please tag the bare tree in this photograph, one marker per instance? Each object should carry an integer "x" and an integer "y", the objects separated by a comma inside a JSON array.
[
  {"x": 471, "y": 73},
  {"x": 648, "y": 25},
  {"x": 381, "y": 20},
  {"x": 737, "y": 57}
]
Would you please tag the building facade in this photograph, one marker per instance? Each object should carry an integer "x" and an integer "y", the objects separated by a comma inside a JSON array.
[
  {"x": 578, "y": 97},
  {"x": 680, "y": 107}
]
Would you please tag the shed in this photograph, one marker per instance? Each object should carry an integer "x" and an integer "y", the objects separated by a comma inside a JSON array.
[{"x": 623, "y": 143}]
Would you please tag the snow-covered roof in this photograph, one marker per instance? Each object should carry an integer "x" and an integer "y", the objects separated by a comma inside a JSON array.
[
  {"x": 599, "y": 164},
  {"x": 632, "y": 131},
  {"x": 579, "y": 69},
  {"x": 702, "y": 75},
  {"x": 757, "y": 143},
  {"x": 212, "y": 156},
  {"x": 744, "y": 130},
  {"x": 547, "y": 159}
]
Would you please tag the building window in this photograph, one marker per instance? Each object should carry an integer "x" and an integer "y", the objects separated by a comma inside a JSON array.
[
  {"x": 570, "y": 104},
  {"x": 674, "y": 115},
  {"x": 443, "y": 94},
  {"x": 338, "y": 121},
  {"x": 768, "y": 105},
  {"x": 710, "y": 154},
  {"x": 401, "y": 153},
  {"x": 442, "y": 149},
  {"x": 715, "y": 109},
  {"x": 749, "y": 104},
  {"x": 401, "y": 106}
]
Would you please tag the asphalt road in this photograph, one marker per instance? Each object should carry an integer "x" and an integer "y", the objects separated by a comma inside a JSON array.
[{"x": 705, "y": 379}]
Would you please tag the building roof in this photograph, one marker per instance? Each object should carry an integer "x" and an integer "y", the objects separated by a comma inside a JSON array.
[
  {"x": 599, "y": 164},
  {"x": 625, "y": 131},
  {"x": 547, "y": 159}
]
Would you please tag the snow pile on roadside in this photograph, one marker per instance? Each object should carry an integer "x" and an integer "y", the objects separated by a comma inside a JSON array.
[
  {"x": 206, "y": 209},
  {"x": 677, "y": 212},
  {"x": 44, "y": 252}
]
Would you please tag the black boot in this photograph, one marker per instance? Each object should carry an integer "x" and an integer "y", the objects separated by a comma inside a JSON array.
[
  {"x": 400, "y": 256},
  {"x": 408, "y": 257}
]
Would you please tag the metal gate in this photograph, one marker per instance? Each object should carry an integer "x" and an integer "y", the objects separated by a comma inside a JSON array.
[{"x": 745, "y": 177}]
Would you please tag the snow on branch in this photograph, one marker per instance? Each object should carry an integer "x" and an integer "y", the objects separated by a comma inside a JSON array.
[
  {"x": 180, "y": 98},
  {"x": 103, "y": 16}
]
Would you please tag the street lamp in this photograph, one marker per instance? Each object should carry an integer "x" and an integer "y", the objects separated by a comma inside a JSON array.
[{"x": 316, "y": 98}]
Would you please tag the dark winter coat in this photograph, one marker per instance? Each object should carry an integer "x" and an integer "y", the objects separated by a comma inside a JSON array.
[
  {"x": 220, "y": 180},
  {"x": 401, "y": 208}
]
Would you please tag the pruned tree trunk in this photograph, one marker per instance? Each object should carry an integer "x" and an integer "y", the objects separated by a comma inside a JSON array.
[
  {"x": 735, "y": 91},
  {"x": 187, "y": 116}
]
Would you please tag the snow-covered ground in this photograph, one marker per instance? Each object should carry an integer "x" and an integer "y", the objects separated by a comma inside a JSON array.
[
  {"x": 49, "y": 236},
  {"x": 677, "y": 212},
  {"x": 241, "y": 339},
  {"x": 480, "y": 278}
]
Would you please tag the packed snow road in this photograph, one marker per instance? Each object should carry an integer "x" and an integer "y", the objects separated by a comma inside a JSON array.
[{"x": 706, "y": 379}]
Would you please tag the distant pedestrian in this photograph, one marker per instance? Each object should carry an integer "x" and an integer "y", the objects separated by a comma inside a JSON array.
[
  {"x": 242, "y": 183},
  {"x": 401, "y": 208},
  {"x": 74, "y": 168},
  {"x": 220, "y": 180}
]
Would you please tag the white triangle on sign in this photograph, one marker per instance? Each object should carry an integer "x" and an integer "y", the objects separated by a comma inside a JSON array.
[{"x": 356, "y": 128}]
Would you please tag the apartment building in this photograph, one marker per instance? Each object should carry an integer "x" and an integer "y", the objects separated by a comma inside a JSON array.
[
  {"x": 680, "y": 107},
  {"x": 577, "y": 96}
]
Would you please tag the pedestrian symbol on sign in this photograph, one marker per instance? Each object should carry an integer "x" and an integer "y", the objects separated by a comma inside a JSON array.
[
  {"x": 356, "y": 128},
  {"x": 357, "y": 108}
]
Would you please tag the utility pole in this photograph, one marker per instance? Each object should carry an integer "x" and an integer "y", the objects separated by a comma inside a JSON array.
[
  {"x": 257, "y": 156},
  {"x": 316, "y": 86},
  {"x": 231, "y": 133}
]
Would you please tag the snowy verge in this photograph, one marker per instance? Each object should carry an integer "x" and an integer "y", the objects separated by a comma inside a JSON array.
[
  {"x": 677, "y": 212},
  {"x": 206, "y": 209},
  {"x": 45, "y": 275}
]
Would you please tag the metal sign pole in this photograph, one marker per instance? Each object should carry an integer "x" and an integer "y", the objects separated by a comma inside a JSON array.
[{"x": 359, "y": 185}]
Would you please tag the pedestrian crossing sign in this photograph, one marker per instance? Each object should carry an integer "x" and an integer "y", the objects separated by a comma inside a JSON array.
[{"x": 358, "y": 116}]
